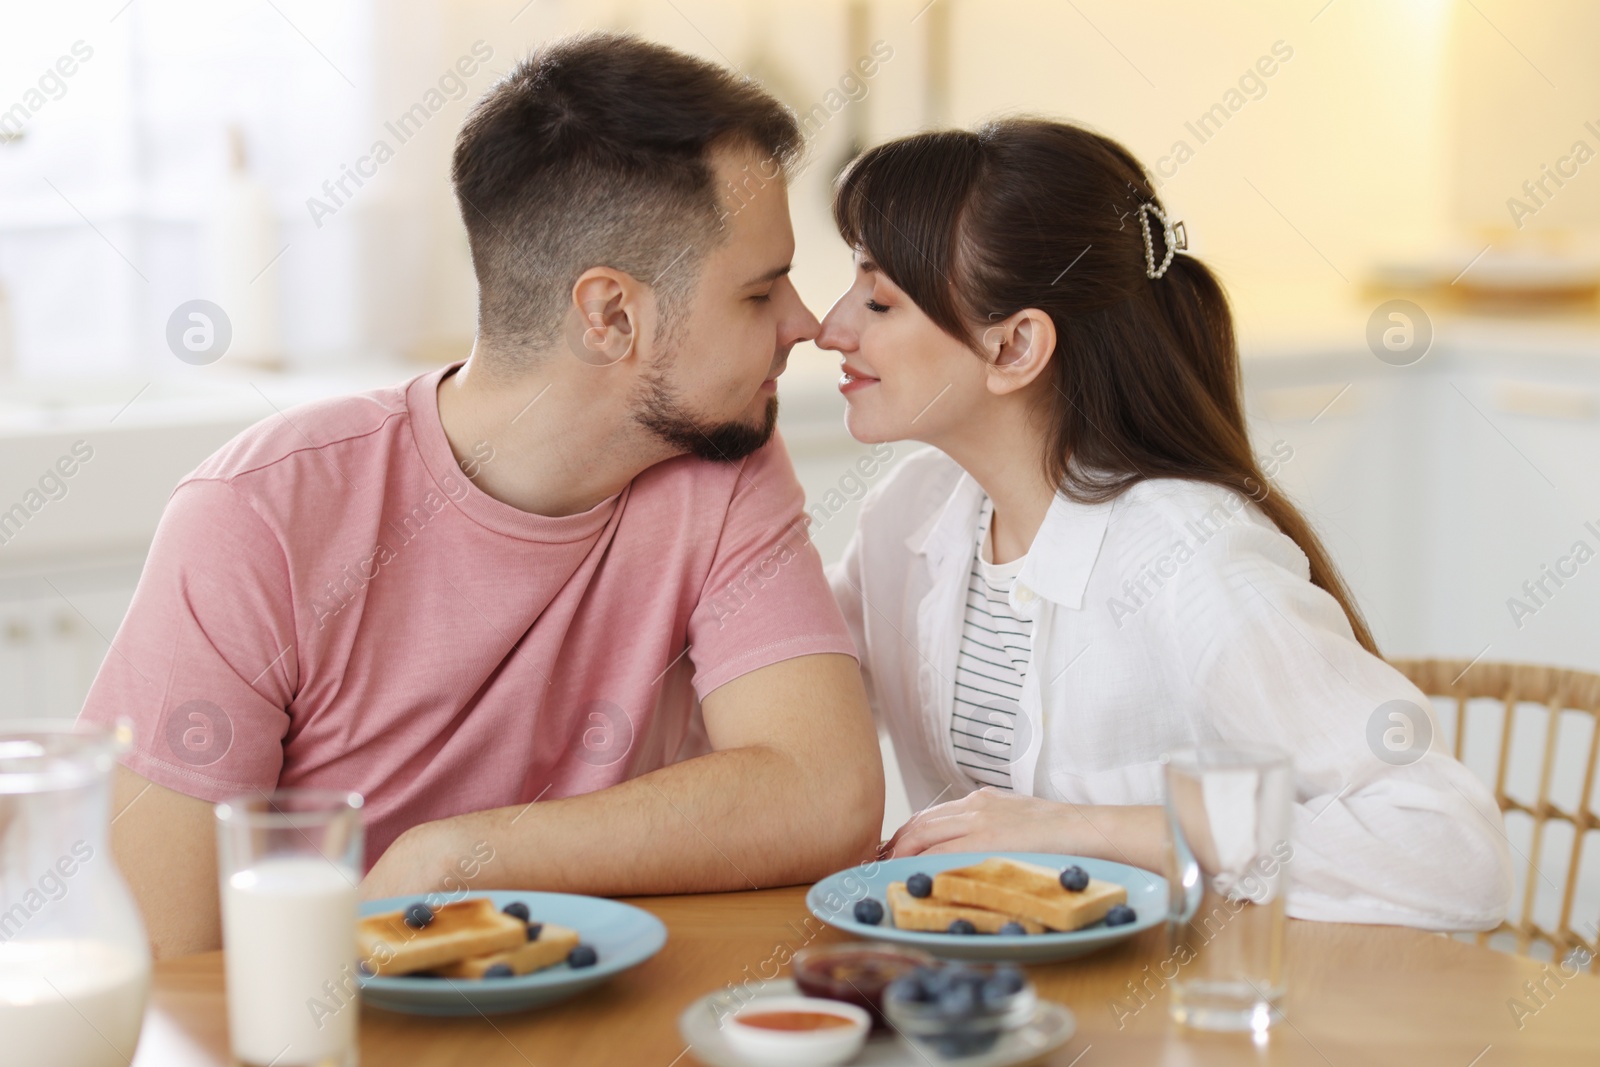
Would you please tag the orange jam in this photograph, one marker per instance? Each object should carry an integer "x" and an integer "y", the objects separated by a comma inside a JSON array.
[{"x": 793, "y": 1020}]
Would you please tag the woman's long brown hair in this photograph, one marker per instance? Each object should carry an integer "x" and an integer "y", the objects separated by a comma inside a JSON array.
[{"x": 1021, "y": 213}]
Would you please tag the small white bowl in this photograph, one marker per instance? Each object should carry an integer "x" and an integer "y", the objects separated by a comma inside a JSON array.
[{"x": 797, "y": 1048}]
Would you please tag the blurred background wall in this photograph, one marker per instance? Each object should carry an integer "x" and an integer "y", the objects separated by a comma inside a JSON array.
[{"x": 1346, "y": 141}]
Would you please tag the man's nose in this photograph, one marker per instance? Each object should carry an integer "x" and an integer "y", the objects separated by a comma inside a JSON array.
[{"x": 804, "y": 324}]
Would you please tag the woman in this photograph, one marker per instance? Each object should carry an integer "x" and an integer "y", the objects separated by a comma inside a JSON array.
[{"x": 1090, "y": 568}]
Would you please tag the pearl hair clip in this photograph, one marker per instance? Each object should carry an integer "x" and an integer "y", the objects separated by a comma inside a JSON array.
[{"x": 1172, "y": 234}]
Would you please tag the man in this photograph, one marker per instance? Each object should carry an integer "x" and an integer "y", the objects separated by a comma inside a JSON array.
[{"x": 487, "y": 599}]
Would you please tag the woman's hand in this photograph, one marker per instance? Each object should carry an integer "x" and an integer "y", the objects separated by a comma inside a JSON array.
[{"x": 994, "y": 820}]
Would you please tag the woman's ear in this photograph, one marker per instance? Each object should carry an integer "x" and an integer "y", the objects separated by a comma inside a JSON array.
[
  {"x": 1018, "y": 349},
  {"x": 600, "y": 327}
]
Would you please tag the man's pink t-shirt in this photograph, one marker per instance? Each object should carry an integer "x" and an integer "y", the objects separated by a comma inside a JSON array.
[{"x": 329, "y": 601}]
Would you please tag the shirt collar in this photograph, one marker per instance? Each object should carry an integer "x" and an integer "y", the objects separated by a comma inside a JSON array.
[
  {"x": 1060, "y": 560},
  {"x": 1065, "y": 549},
  {"x": 950, "y": 528}
]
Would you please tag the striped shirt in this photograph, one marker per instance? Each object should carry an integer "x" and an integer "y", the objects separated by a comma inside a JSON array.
[{"x": 990, "y": 666}]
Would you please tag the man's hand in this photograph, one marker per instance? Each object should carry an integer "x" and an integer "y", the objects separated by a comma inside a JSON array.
[
  {"x": 792, "y": 792},
  {"x": 429, "y": 858},
  {"x": 994, "y": 820},
  {"x": 165, "y": 844},
  {"x": 415, "y": 862}
]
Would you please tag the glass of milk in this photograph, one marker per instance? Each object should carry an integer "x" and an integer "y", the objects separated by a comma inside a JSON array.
[
  {"x": 74, "y": 961},
  {"x": 290, "y": 866}
]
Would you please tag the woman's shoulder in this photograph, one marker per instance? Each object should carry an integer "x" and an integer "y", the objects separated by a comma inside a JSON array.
[
  {"x": 1200, "y": 519},
  {"x": 1213, "y": 557},
  {"x": 1180, "y": 499}
]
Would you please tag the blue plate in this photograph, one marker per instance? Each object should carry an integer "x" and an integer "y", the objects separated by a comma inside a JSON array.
[
  {"x": 833, "y": 901},
  {"x": 621, "y": 935}
]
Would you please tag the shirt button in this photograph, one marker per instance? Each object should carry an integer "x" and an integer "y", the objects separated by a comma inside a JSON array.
[{"x": 1025, "y": 595}]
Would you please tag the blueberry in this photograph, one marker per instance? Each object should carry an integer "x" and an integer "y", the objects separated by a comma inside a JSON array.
[
  {"x": 1075, "y": 878},
  {"x": 582, "y": 956},
  {"x": 919, "y": 886},
  {"x": 961, "y": 926},
  {"x": 1006, "y": 982},
  {"x": 517, "y": 910},
  {"x": 418, "y": 916},
  {"x": 869, "y": 911},
  {"x": 1120, "y": 915},
  {"x": 1013, "y": 930},
  {"x": 908, "y": 989},
  {"x": 929, "y": 979},
  {"x": 499, "y": 970},
  {"x": 959, "y": 1001},
  {"x": 534, "y": 930},
  {"x": 960, "y": 974}
]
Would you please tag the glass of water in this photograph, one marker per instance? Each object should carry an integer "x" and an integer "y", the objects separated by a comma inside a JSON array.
[
  {"x": 1228, "y": 850},
  {"x": 290, "y": 866}
]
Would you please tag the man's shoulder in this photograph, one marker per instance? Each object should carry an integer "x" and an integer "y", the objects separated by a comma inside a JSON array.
[{"x": 297, "y": 435}]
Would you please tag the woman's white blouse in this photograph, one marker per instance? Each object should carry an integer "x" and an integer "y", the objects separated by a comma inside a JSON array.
[{"x": 1175, "y": 614}]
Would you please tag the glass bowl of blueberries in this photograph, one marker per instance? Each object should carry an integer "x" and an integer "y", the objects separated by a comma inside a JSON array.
[{"x": 957, "y": 1010}]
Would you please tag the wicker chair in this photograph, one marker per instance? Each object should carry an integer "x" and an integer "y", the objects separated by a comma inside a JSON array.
[{"x": 1562, "y": 692}]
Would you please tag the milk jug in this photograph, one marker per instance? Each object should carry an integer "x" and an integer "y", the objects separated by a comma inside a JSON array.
[{"x": 74, "y": 961}]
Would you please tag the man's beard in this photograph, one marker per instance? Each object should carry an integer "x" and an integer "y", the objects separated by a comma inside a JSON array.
[{"x": 660, "y": 412}]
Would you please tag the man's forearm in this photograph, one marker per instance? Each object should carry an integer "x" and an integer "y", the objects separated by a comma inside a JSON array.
[
  {"x": 741, "y": 818},
  {"x": 165, "y": 847}
]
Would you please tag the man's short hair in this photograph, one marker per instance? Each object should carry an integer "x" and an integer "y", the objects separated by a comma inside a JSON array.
[{"x": 594, "y": 151}]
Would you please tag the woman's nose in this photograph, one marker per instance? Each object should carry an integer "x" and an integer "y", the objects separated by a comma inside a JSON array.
[{"x": 834, "y": 335}]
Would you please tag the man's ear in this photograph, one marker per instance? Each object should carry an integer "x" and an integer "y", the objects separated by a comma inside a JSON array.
[
  {"x": 601, "y": 322},
  {"x": 1018, "y": 350}
]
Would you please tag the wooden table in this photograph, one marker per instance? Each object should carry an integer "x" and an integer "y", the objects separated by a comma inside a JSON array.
[{"x": 1358, "y": 996}]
